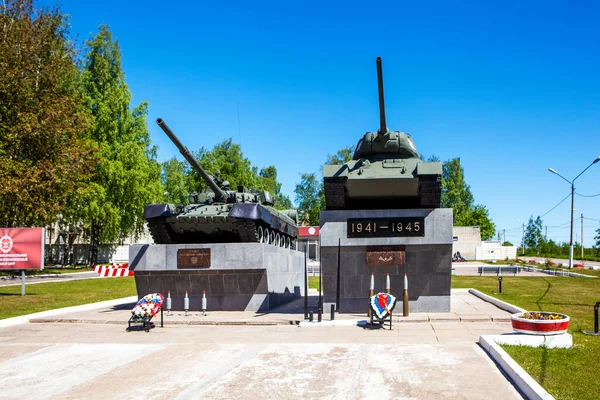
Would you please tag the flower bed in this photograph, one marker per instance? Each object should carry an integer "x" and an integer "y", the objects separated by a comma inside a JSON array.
[{"x": 540, "y": 323}]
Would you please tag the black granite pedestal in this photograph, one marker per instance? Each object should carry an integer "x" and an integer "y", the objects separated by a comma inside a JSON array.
[{"x": 425, "y": 257}]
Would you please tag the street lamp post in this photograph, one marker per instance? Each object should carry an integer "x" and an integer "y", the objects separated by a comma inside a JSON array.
[{"x": 572, "y": 183}]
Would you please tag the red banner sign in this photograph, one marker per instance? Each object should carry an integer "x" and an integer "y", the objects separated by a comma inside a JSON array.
[{"x": 21, "y": 248}]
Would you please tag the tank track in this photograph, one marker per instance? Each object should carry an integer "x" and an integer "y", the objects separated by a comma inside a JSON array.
[
  {"x": 430, "y": 191},
  {"x": 248, "y": 232},
  {"x": 160, "y": 231},
  {"x": 335, "y": 193}
]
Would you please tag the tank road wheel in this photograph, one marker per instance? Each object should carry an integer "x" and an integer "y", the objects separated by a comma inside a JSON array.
[
  {"x": 277, "y": 239},
  {"x": 293, "y": 244},
  {"x": 287, "y": 242},
  {"x": 267, "y": 235},
  {"x": 272, "y": 237},
  {"x": 260, "y": 234}
]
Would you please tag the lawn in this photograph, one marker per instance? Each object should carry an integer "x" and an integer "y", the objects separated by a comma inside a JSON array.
[
  {"x": 564, "y": 373},
  {"x": 47, "y": 296}
]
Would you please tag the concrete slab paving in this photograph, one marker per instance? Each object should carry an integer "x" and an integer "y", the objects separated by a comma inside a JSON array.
[
  {"x": 250, "y": 362},
  {"x": 421, "y": 358}
]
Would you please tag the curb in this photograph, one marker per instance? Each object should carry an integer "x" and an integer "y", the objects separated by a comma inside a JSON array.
[
  {"x": 84, "y": 307},
  {"x": 498, "y": 303},
  {"x": 522, "y": 380},
  {"x": 157, "y": 322},
  {"x": 305, "y": 324}
]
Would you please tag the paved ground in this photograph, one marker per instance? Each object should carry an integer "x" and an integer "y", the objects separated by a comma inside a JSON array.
[{"x": 425, "y": 356}]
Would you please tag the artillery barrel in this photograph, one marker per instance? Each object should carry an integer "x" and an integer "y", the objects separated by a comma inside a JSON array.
[
  {"x": 382, "y": 124},
  {"x": 220, "y": 195}
]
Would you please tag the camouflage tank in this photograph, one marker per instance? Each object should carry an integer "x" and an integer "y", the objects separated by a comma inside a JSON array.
[
  {"x": 220, "y": 215},
  {"x": 385, "y": 172}
]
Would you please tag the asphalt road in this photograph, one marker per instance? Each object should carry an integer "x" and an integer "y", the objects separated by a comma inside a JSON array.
[
  {"x": 16, "y": 281},
  {"x": 564, "y": 261}
]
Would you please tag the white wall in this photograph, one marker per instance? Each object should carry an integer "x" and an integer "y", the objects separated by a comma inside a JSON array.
[
  {"x": 491, "y": 251},
  {"x": 466, "y": 239}
]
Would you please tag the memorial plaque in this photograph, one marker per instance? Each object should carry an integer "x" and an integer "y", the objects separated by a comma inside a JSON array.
[
  {"x": 386, "y": 227},
  {"x": 385, "y": 255},
  {"x": 193, "y": 258}
]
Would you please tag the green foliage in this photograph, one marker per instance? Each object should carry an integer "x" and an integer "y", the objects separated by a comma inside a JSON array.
[
  {"x": 597, "y": 239},
  {"x": 44, "y": 159},
  {"x": 534, "y": 240},
  {"x": 342, "y": 156},
  {"x": 456, "y": 194},
  {"x": 126, "y": 175},
  {"x": 174, "y": 181},
  {"x": 270, "y": 183},
  {"x": 507, "y": 243},
  {"x": 310, "y": 198},
  {"x": 477, "y": 216},
  {"x": 226, "y": 160}
]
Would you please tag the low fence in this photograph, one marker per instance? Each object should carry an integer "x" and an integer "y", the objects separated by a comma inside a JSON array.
[{"x": 56, "y": 254}]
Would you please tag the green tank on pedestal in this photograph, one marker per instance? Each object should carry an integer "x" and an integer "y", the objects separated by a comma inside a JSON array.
[
  {"x": 385, "y": 172},
  {"x": 220, "y": 215}
]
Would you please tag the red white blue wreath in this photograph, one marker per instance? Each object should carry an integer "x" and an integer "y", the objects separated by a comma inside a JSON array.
[
  {"x": 382, "y": 304},
  {"x": 147, "y": 307}
]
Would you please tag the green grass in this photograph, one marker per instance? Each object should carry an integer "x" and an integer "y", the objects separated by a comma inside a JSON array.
[
  {"x": 47, "y": 296},
  {"x": 564, "y": 373},
  {"x": 313, "y": 282}
]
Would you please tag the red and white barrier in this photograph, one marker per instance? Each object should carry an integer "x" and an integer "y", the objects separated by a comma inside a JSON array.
[{"x": 113, "y": 271}]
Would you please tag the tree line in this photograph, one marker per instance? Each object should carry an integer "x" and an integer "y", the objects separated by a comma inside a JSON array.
[
  {"x": 456, "y": 194},
  {"x": 73, "y": 149},
  {"x": 535, "y": 242}
]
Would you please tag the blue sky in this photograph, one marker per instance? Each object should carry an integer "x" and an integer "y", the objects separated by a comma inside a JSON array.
[{"x": 509, "y": 87}]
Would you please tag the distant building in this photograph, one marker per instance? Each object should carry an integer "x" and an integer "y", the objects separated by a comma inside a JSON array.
[
  {"x": 467, "y": 241},
  {"x": 308, "y": 241}
]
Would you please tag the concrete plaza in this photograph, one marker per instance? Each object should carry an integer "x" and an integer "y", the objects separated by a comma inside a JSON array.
[{"x": 246, "y": 355}]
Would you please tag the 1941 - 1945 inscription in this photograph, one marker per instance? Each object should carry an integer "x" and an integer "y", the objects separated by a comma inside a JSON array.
[
  {"x": 193, "y": 258},
  {"x": 386, "y": 227}
]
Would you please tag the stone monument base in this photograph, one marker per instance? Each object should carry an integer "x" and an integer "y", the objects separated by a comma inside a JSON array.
[
  {"x": 235, "y": 276},
  {"x": 426, "y": 259}
]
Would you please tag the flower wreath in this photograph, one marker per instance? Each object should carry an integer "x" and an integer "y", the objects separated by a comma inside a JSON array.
[
  {"x": 147, "y": 307},
  {"x": 382, "y": 304}
]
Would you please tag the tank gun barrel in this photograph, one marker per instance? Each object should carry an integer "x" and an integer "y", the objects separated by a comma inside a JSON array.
[
  {"x": 382, "y": 123},
  {"x": 220, "y": 195}
]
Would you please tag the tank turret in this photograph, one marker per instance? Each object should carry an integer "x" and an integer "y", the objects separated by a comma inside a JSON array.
[
  {"x": 219, "y": 214},
  {"x": 385, "y": 171}
]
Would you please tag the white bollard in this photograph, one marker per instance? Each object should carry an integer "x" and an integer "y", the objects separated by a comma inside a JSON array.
[
  {"x": 186, "y": 303},
  {"x": 387, "y": 283},
  {"x": 204, "y": 302},
  {"x": 168, "y": 302},
  {"x": 405, "y": 297}
]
